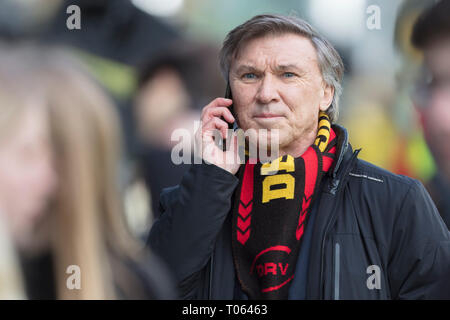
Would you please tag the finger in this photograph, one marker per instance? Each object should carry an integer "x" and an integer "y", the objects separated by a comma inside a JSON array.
[
  {"x": 218, "y": 102},
  {"x": 219, "y": 112},
  {"x": 232, "y": 142},
  {"x": 218, "y": 124}
]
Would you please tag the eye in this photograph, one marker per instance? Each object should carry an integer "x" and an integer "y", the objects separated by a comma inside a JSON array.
[
  {"x": 288, "y": 75},
  {"x": 249, "y": 76}
]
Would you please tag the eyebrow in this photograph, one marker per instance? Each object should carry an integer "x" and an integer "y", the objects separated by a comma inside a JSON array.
[
  {"x": 246, "y": 68},
  {"x": 279, "y": 68},
  {"x": 285, "y": 67}
]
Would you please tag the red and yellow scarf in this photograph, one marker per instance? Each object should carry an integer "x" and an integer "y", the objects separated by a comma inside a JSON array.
[{"x": 270, "y": 212}]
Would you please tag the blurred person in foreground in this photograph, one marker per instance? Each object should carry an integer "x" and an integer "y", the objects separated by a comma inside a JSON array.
[
  {"x": 312, "y": 222},
  {"x": 431, "y": 34},
  {"x": 11, "y": 286},
  {"x": 59, "y": 186}
]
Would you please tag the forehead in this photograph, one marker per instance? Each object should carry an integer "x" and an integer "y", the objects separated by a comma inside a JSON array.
[{"x": 283, "y": 49}]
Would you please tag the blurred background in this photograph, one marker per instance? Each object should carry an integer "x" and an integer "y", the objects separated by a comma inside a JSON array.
[{"x": 156, "y": 61}]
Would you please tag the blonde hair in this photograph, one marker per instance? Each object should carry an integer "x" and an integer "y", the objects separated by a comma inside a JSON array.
[
  {"x": 86, "y": 219},
  {"x": 12, "y": 106}
]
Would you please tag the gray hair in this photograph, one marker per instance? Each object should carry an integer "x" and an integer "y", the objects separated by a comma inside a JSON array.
[{"x": 330, "y": 62}]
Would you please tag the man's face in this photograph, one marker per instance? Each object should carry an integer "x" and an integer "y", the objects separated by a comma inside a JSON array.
[
  {"x": 277, "y": 84},
  {"x": 436, "y": 113}
]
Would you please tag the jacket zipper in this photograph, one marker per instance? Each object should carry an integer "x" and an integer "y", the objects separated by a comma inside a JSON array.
[
  {"x": 337, "y": 249},
  {"x": 335, "y": 184},
  {"x": 211, "y": 268}
]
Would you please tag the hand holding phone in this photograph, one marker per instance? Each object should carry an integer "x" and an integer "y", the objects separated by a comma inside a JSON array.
[{"x": 217, "y": 116}]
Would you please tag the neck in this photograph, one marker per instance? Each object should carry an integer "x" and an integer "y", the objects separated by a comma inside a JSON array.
[
  {"x": 299, "y": 146},
  {"x": 295, "y": 149}
]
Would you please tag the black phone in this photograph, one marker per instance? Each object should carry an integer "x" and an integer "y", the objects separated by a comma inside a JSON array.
[
  {"x": 232, "y": 126},
  {"x": 228, "y": 95}
]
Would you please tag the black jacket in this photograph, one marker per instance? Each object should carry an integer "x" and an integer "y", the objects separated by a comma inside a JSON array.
[
  {"x": 368, "y": 220},
  {"x": 439, "y": 189}
]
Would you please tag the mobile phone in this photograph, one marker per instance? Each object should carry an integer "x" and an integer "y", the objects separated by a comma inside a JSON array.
[
  {"x": 232, "y": 126},
  {"x": 228, "y": 95}
]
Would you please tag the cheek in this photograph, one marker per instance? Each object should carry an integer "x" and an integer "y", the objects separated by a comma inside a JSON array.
[
  {"x": 442, "y": 107},
  {"x": 24, "y": 185},
  {"x": 302, "y": 93},
  {"x": 13, "y": 187},
  {"x": 437, "y": 116},
  {"x": 11, "y": 175},
  {"x": 243, "y": 104},
  {"x": 303, "y": 106}
]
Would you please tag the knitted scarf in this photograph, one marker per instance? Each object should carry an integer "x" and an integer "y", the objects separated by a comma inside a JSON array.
[{"x": 270, "y": 212}]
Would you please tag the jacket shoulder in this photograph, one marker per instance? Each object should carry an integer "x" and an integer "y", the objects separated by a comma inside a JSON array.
[
  {"x": 381, "y": 193},
  {"x": 370, "y": 172},
  {"x": 168, "y": 196}
]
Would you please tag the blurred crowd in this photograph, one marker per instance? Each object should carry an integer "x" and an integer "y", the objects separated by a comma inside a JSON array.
[{"x": 86, "y": 123}]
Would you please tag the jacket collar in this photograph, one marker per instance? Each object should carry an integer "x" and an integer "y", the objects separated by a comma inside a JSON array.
[{"x": 344, "y": 150}]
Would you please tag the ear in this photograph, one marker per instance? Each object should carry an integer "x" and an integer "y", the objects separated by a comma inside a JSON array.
[{"x": 326, "y": 97}]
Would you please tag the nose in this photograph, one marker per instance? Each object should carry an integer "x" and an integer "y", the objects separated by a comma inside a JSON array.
[{"x": 267, "y": 91}]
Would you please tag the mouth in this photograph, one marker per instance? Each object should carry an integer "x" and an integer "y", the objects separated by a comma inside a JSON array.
[{"x": 268, "y": 116}]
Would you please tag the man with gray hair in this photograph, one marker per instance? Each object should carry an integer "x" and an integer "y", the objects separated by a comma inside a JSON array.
[{"x": 310, "y": 222}]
